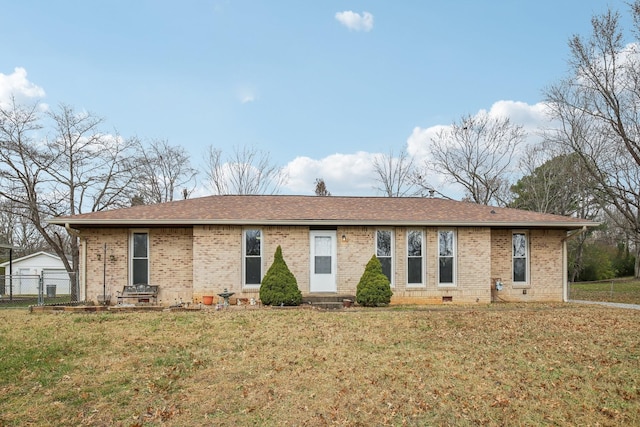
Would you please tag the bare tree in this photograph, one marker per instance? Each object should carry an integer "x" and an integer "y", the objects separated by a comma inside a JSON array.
[
  {"x": 598, "y": 108},
  {"x": 396, "y": 176},
  {"x": 557, "y": 183},
  {"x": 476, "y": 153},
  {"x": 246, "y": 171},
  {"x": 23, "y": 169},
  {"x": 19, "y": 232},
  {"x": 321, "y": 188},
  {"x": 164, "y": 170},
  {"x": 79, "y": 169},
  {"x": 554, "y": 182},
  {"x": 91, "y": 170}
]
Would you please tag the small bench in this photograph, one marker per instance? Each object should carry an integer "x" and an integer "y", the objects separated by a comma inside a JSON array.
[{"x": 140, "y": 292}]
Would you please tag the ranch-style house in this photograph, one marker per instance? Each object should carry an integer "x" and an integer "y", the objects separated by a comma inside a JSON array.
[{"x": 432, "y": 250}]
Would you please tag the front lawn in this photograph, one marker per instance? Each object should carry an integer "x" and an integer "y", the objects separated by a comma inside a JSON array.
[{"x": 501, "y": 364}]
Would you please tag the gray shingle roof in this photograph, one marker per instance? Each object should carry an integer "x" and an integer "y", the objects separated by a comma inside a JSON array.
[{"x": 314, "y": 210}]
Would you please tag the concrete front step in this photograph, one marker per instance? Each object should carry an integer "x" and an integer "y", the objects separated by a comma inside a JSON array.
[{"x": 328, "y": 301}]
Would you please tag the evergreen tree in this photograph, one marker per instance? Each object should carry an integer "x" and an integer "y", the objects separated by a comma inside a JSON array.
[
  {"x": 279, "y": 286},
  {"x": 374, "y": 288},
  {"x": 321, "y": 188}
]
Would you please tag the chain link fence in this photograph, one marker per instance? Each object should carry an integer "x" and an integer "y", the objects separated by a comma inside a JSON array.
[
  {"x": 626, "y": 291},
  {"x": 50, "y": 287}
]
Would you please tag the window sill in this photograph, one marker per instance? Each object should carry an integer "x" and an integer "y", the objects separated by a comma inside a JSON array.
[
  {"x": 447, "y": 286},
  {"x": 521, "y": 286}
]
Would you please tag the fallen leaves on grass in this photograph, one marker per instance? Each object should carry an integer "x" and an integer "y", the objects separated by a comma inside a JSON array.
[{"x": 496, "y": 365}]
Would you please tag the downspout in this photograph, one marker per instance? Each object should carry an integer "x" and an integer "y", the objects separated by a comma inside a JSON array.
[
  {"x": 83, "y": 258},
  {"x": 565, "y": 262}
]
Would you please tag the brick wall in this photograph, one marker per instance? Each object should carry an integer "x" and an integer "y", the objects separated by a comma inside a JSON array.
[
  {"x": 545, "y": 274},
  {"x": 170, "y": 259},
  {"x": 217, "y": 260},
  {"x": 189, "y": 263},
  {"x": 170, "y": 263},
  {"x": 473, "y": 260},
  {"x": 115, "y": 270}
]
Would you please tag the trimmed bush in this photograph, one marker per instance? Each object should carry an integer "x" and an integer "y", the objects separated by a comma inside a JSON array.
[
  {"x": 374, "y": 288},
  {"x": 279, "y": 286}
]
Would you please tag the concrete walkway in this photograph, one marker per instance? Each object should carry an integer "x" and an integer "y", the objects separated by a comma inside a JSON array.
[{"x": 608, "y": 304}]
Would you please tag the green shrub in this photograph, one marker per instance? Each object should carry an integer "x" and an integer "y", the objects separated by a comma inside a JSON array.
[
  {"x": 374, "y": 288},
  {"x": 596, "y": 263},
  {"x": 623, "y": 261},
  {"x": 279, "y": 286}
]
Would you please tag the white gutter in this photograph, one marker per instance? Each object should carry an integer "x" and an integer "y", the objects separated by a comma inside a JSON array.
[
  {"x": 71, "y": 231},
  {"x": 291, "y": 222}
]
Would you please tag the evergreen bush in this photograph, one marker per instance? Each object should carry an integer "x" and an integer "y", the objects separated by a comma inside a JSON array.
[
  {"x": 374, "y": 288},
  {"x": 279, "y": 286}
]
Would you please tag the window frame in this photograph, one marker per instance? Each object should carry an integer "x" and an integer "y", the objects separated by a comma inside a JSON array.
[
  {"x": 423, "y": 272},
  {"x": 454, "y": 258},
  {"x": 527, "y": 258},
  {"x": 246, "y": 285},
  {"x": 132, "y": 256},
  {"x": 391, "y": 250}
]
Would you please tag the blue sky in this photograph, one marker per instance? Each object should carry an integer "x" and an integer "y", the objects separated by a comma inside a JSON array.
[{"x": 321, "y": 93}]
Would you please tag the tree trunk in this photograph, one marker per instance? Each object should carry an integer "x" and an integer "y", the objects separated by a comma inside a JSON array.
[{"x": 636, "y": 268}]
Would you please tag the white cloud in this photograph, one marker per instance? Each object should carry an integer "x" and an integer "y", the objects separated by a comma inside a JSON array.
[
  {"x": 532, "y": 117},
  {"x": 420, "y": 139},
  {"x": 344, "y": 174},
  {"x": 355, "y": 21},
  {"x": 246, "y": 94},
  {"x": 17, "y": 85},
  {"x": 521, "y": 113},
  {"x": 353, "y": 174}
]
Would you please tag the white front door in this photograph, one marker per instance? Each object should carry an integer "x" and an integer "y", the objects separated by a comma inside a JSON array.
[{"x": 323, "y": 262}]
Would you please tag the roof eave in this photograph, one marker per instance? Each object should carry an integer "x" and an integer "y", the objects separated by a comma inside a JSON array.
[{"x": 329, "y": 222}]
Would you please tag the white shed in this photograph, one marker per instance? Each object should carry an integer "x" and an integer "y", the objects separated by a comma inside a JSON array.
[{"x": 26, "y": 272}]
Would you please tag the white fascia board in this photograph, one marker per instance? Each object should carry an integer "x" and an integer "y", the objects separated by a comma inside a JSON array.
[{"x": 299, "y": 222}]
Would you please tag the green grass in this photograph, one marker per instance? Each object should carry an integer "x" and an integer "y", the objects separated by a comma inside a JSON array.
[
  {"x": 501, "y": 364},
  {"x": 621, "y": 291},
  {"x": 22, "y": 301}
]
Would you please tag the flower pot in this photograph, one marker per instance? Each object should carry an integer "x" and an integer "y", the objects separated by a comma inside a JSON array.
[{"x": 207, "y": 299}]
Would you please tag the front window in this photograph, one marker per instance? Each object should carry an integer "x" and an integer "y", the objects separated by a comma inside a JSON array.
[
  {"x": 446, "y": 257},
  {"x": 415, "y": 258},
  {"x": 252, "y": 257},
  {"x": 384, "y": 252},
  {"x": 140, "y": 258},
  {"x": 520, "y": 257}
]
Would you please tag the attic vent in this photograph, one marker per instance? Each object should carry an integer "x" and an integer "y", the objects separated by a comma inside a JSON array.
[{"x": 447, "y": 299}]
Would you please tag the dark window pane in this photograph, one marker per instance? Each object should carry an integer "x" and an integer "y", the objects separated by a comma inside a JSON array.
[
  {"x": 414, "y": 243},
  {"x": 446, "y": 270},
  {"x": 139, "y": 245},
  {"x": 252, "y": 245},
  {"x": 140, "y": 271},
  {"x": 415, "y": 270},
  {"x": 252, "y": 270},
  {"x": 386, "y": 267},
  {"x": 383, "y": 243},
  {"x": 519, "y": 269},
  {"x": 323, "y": 265}
]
